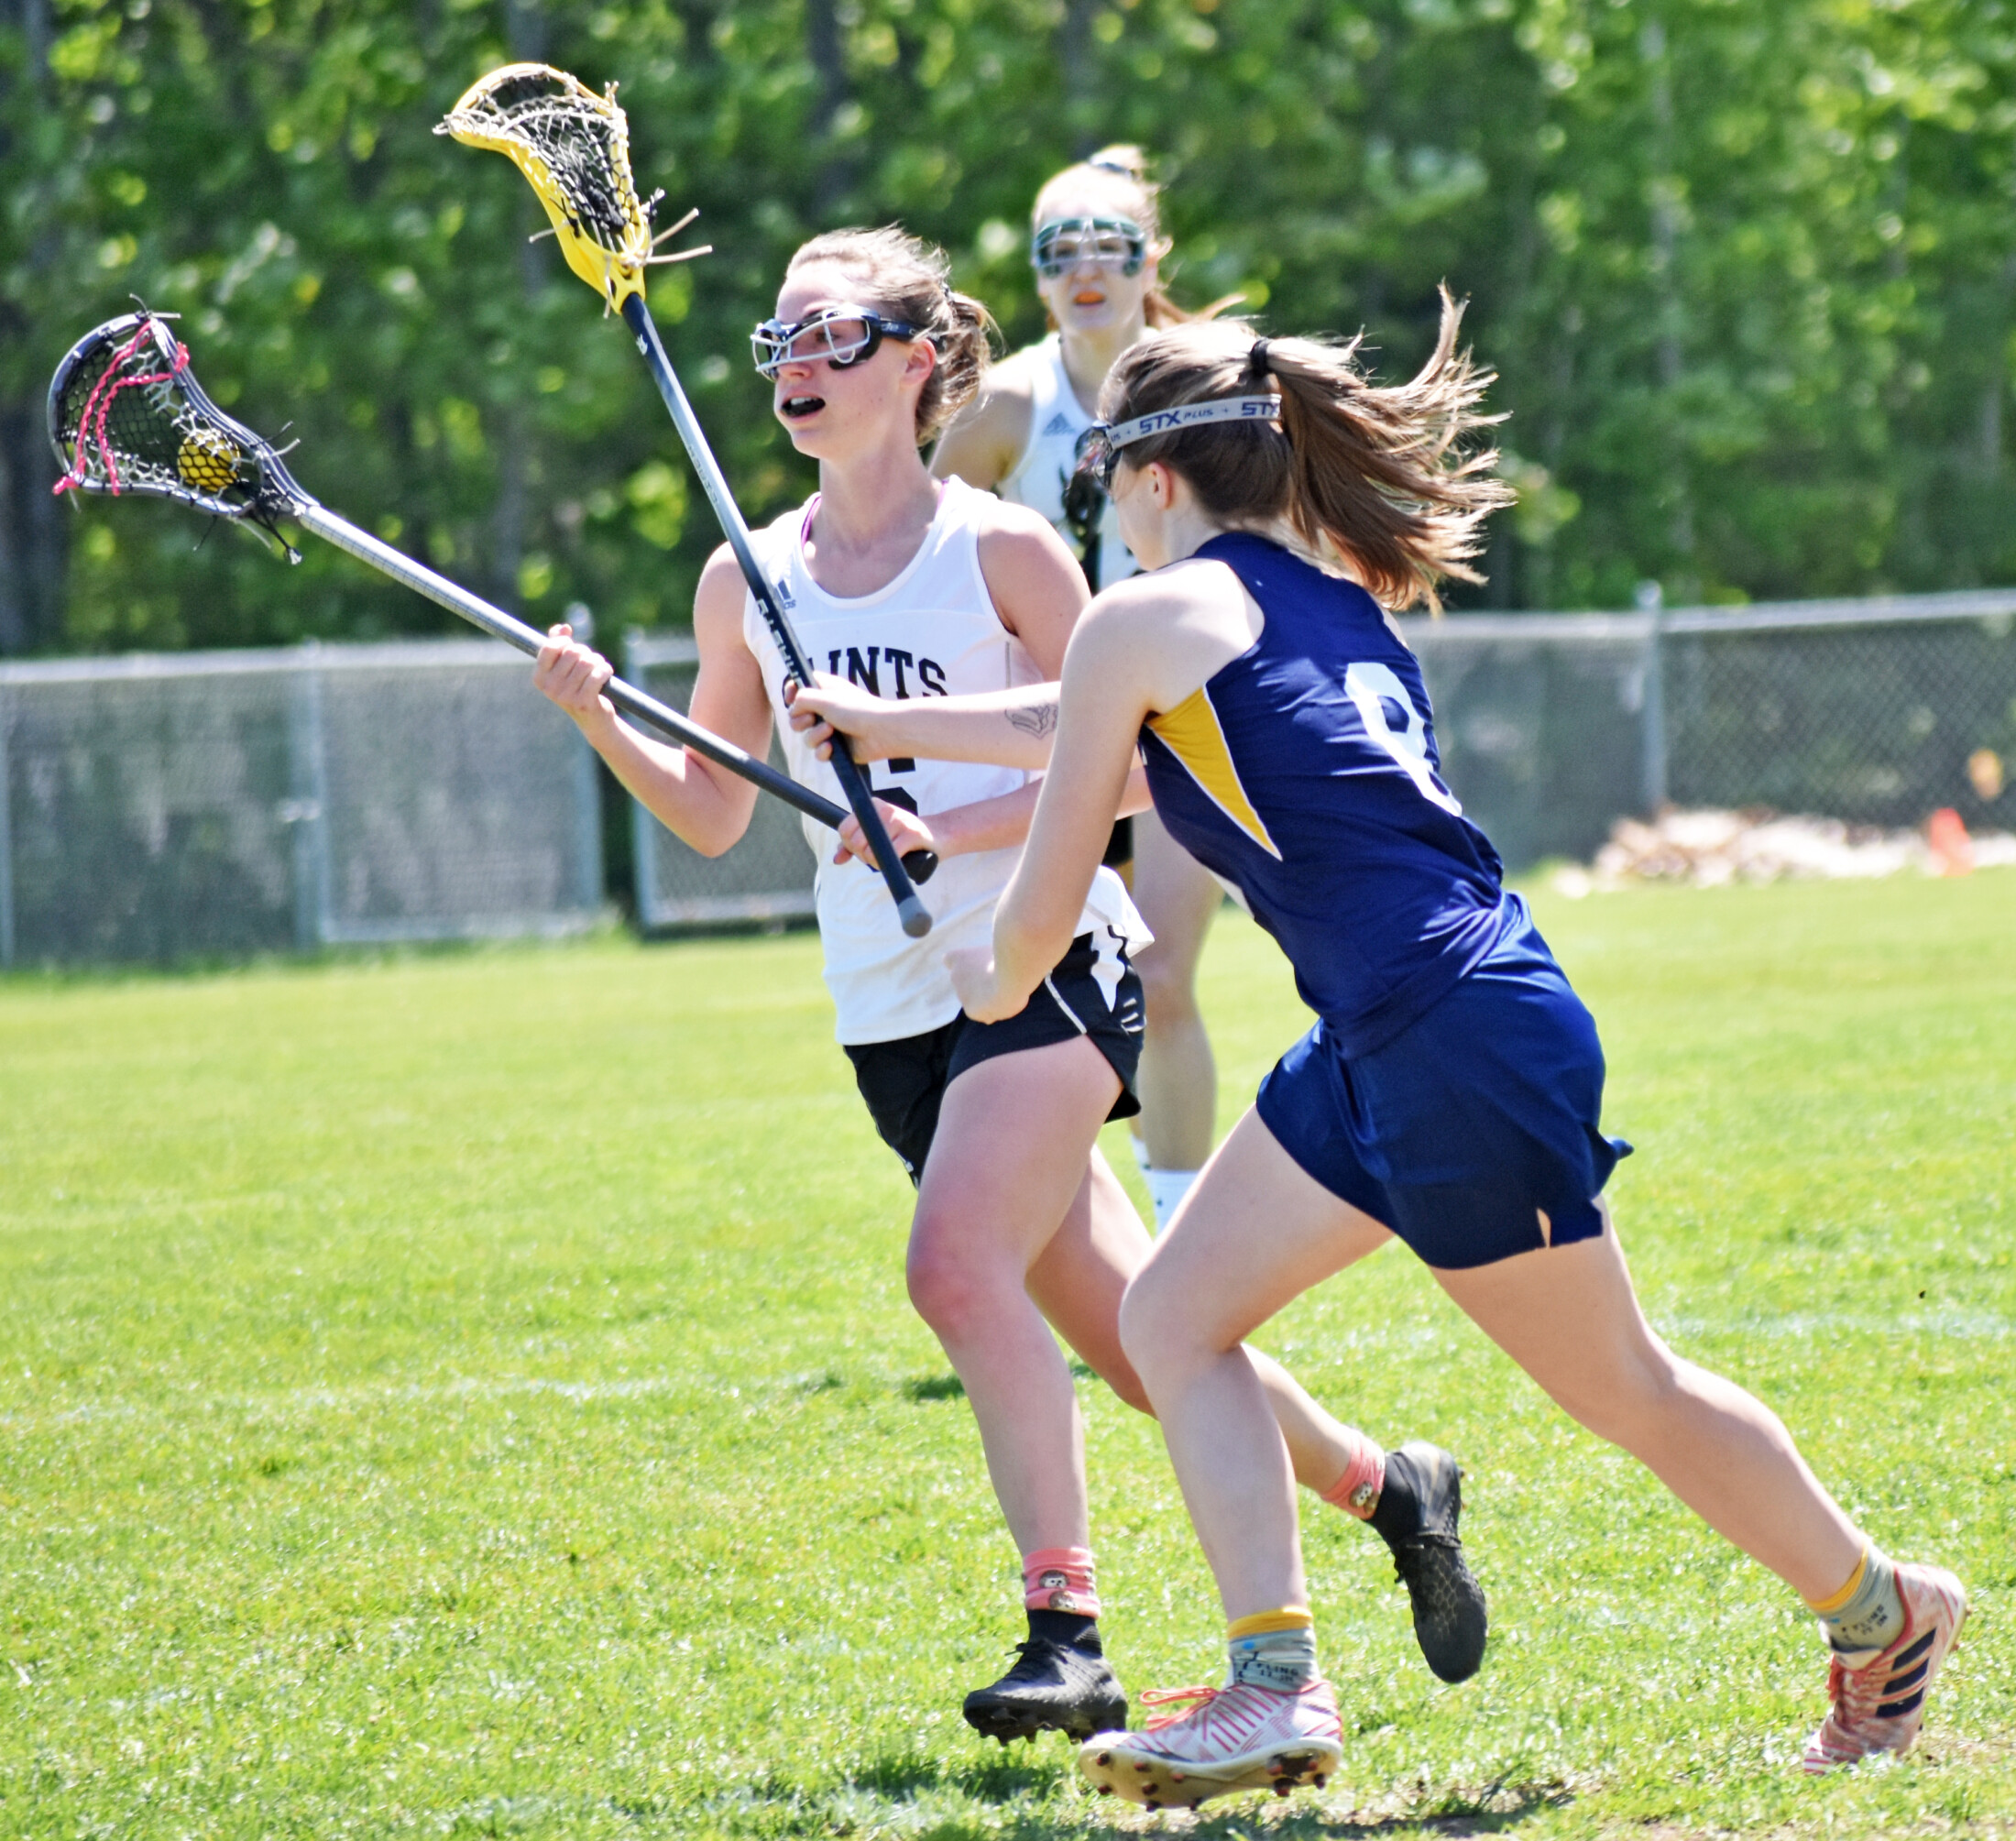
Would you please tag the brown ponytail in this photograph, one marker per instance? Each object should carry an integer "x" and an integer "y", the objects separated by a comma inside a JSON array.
[
  {"x": 1378, "y": 471},
  {"x": 904, "y": 277}
]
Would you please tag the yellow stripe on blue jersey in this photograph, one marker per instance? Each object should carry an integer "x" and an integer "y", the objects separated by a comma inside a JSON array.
[{"x": 1197, "y": 740}]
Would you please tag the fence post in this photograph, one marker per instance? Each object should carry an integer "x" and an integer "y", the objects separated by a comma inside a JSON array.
[
  {"x": 1652, "y": 789},
  {"x": 6, "y": 828},
  {"x": 587, "y": 783},
  {"x": 644, "y": 858},
  {"x": 308, "y": 805}
]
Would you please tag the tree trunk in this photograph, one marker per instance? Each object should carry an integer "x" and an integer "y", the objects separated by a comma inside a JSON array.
[
  {"x": 1665, "y": 226},
  {"x": 1074, "y": 51},
  {"x": 1990, "y": 430},
  {"x": 34, "y": 530},
  {"x": 827, "y": 53},
  {"x": 525, "y": 29}
]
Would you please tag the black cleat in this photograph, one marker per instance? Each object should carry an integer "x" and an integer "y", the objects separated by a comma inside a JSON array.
[
  {"x": 1417, "y": 1516},
  {"x": 1053, "y": 1687}
]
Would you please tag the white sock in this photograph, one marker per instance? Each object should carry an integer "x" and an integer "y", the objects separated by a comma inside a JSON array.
[
  {"x": 1140, "y": 1147},
  {"x": 1167, "y": 1189}
]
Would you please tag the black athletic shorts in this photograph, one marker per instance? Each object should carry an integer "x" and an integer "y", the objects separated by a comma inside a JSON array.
[
  {"x": 1093, "y": 992},
  {"x": 1119, "y": 845}
]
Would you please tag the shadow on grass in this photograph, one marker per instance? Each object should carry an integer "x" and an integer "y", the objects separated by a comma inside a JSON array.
[
  {"x": 934, "y": 1388},
  {"x": 1498, "y": 1809},
  {"x": 1004, "y": 1775},
  {"x": 950, "y": 1388},
  {"x": 1034, "y": 1794}
]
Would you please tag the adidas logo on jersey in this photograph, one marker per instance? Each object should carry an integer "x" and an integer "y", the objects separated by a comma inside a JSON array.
[{"x": 1058, "y": 423}]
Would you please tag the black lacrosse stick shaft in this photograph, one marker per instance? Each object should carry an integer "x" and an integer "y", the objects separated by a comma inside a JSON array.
[
  {"x": 627, "y": 698},
  {"x": 910, "y": 908},
  {"x": 126, "y": 415}
]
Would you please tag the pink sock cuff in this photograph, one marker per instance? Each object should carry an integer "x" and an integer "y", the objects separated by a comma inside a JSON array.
[
  {"x": 1358, "y": 1490},
  {"x": 1059, "y": 1579}
]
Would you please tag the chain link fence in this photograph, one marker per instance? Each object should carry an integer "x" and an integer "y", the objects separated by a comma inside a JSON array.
[
  {"x": 238, "y": 803},
  {"x": 1875, "y": 712},
  {"x": 228, "y": 804},
  {"x": 766, "y": 877}
]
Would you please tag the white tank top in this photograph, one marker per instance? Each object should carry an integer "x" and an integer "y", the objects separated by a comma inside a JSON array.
[
  {"x": 932, "y": 631},
  {"x": 1036, "y": 480}
]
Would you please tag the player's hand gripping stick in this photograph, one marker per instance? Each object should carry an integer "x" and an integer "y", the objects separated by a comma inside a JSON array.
[
  {"x": 126, "y": 415},
  {"x": 572, "y": 147}
]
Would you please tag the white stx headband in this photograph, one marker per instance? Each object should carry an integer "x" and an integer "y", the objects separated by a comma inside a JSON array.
[
  {"x": 1099, "y": 447},
  {"x": 1188, "y": 414}
]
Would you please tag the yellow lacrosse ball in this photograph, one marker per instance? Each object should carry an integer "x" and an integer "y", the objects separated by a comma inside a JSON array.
[{"x": 207, "y": 463}]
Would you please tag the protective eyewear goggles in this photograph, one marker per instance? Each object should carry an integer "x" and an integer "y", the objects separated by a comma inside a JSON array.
[
  {"x": 1099, "y": 447},
  {"x": 1063, "y": 244},
  {"x": 841, "y": 336}
]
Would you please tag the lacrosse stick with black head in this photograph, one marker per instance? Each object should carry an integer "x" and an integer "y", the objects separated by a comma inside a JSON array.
[
  {"x": 126, "y": 415},
  {"x": 573, "y": 145}
]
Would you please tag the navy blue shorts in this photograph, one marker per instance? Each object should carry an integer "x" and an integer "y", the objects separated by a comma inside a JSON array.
[{"x": 1477, "y": 1121}]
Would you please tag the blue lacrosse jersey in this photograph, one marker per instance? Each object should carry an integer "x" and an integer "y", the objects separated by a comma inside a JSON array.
[{"x": 1305, "y": 771}]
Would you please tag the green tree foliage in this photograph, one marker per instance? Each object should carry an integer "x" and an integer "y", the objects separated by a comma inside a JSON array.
[{"x": 1745, "y": 267}]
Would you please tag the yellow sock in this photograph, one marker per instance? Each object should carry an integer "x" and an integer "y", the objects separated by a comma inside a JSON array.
[
  {"x": 1821, "y": 1607},
  {"x": 1867, "y": 1613},
  {"x": 1264, "y": 1623}
]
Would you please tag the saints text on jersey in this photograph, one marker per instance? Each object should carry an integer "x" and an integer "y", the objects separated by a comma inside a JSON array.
[{"x": 864, "y": 666}]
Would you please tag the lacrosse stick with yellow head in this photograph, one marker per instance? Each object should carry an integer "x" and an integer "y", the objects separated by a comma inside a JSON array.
[
  {"x": 126, "y": 415},
  {"x": 573, "y": 145}
]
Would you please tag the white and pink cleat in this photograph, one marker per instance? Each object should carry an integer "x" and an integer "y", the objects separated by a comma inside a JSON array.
[
  {"x": 1238, "y": 1738},
  {"x": 1880, "y": 1705}
]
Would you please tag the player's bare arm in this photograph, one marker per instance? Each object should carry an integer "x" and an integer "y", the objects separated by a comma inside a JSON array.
[
  {"x": 984, "y": 445},
  {"x": 1001, "y": 727},
  {"x": 1038, "y": 591},
  {"x": 700, "y": 804},
  {"x": 1143, "y": 646},
  {"x": 997, "y": 824},
  {"x": 1111, "y": 684},
  {"x": 1038, "y": 588}
]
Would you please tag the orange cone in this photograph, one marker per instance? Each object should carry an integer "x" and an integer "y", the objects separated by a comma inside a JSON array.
[{"x": 1947, "y": 837}]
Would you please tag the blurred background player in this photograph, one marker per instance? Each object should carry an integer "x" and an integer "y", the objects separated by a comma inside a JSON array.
[
  {"x": 926, "y": 587},
  {"x": 1097, "y": 245}
]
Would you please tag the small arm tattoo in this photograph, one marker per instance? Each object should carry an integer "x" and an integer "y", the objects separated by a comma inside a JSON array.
[{"x": 1037, "y": 721}]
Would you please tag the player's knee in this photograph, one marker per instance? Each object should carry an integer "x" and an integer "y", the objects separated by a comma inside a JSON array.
[
  {"x": 949, "y": 1290},
  {"x": 941, "y": 1294},
  {"x": 1150, "y": 1331},
  {"x": 1169, "y": 989}
]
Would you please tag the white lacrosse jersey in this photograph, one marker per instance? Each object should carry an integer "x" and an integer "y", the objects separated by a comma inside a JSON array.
[
  {"x": 932, "y": 631},
  {"x": 1038, "y": 479}
]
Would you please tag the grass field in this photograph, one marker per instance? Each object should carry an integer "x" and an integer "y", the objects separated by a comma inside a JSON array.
[{"x": 473, "y": 1394}]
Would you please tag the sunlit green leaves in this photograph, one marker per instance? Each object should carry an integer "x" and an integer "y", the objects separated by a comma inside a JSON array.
[{"x": 1744, "y": 269}]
